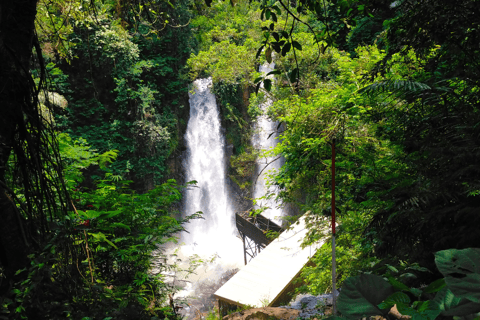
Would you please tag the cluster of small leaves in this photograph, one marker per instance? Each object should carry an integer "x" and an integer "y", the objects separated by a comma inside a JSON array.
[
  {"x": 280, "y": 41},
  {"x": 328, "y": 23}
]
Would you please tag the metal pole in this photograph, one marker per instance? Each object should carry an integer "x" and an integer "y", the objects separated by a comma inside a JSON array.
[
  {"x": 244, "y": 249},
  {"x": 334, "y": 284}
]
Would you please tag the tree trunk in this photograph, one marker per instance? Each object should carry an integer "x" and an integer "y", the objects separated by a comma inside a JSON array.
[{"x": 17, "y": 32}]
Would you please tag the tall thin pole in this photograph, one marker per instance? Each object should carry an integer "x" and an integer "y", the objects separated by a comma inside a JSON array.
[{"x": 334, "y": 284}]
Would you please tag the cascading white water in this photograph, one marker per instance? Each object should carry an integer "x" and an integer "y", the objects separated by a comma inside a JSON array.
[
  {"x": 266, "y": 138},
  {"x": 206, "y": 163}
]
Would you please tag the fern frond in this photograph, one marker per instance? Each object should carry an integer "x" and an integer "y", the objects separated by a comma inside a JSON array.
[{"x": 396, "y": 87}]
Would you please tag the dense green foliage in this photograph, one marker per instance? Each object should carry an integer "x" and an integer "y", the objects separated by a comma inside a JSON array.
[
  {"x": 228, "y": 37},
  {"x": 394, "y": 83},
  {"x": 125, "y": 87},
  {"x": 404, "y": 123},
  {"x": 403, "y": 112},
  {"x": 116, "y": 93},
  {"x": 105, "y": 253}
]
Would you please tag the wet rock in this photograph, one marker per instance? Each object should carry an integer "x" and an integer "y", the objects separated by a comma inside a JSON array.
[
  {"x": 266, "y": 313},
  {"x": 312, "y": 306}
]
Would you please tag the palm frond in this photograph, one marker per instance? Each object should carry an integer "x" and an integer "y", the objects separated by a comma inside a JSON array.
[{"x": 395, "y": 87}]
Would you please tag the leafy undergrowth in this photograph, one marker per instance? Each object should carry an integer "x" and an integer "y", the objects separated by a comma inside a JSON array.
[
  {"x": 102, "y": 260},
  {"x": 456, "y": 295}
]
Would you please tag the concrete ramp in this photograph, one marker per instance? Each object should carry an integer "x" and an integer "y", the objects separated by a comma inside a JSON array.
[{"x": 267, "y": 277}]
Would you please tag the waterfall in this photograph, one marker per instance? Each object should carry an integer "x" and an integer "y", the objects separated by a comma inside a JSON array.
[
  {"x": 206, "y": 163},
  {"x": 266, "y": 138}
]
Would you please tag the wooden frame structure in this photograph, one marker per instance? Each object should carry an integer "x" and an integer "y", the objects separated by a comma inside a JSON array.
[
  {"x": 268, "y": 279},
  {"x": 253, "y": 231}
]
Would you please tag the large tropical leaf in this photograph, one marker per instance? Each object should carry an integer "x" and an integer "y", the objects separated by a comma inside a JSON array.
[
  {"x": 361, "y": 295},
  {"x": 451, "y": 305},
  {"x": 461, "y": 269}
]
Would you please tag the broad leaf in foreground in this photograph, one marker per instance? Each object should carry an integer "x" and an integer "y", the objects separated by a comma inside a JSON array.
[
  {"x": 450, "y": 305},
  {"x": 361, "y": 295},
  {"x": 461, "y": 269}
]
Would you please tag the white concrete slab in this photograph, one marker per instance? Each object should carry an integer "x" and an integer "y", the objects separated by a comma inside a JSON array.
[{"x": 262, "y": 281}]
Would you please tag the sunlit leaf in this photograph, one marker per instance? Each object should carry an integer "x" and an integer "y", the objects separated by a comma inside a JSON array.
[
  {"x": 268, "y": 55},
  {"x": 435, "y": 286},
  {"x": 274, "y": 72}
]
